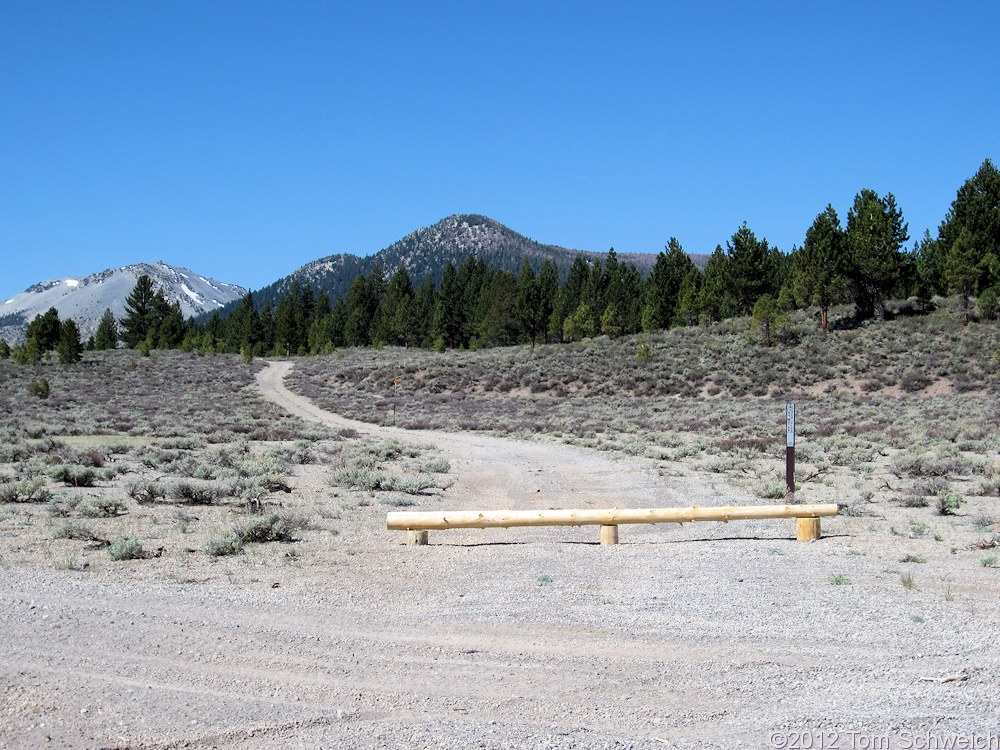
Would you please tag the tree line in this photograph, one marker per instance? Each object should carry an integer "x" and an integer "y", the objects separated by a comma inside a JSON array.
[{"x": 862, "y": 261}]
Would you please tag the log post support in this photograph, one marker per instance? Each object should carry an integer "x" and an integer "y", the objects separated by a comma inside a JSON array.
[
  {"x": 807, "y": 529},
  {"x": 609, "y": 534},
  {"x": 416, "y": 538}
]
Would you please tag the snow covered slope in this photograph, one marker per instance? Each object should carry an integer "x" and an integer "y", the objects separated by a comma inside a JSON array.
[{"x": 84, "y": 298}]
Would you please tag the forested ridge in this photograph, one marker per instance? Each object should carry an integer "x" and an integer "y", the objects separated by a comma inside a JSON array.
[{"x": 862, "y": 260}]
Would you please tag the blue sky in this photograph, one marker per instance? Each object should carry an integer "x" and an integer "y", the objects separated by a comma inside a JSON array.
[{"x": 244, "y": 139}]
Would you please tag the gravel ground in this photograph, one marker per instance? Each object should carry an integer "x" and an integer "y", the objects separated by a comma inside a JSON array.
[{"x": 701, "y": 636}]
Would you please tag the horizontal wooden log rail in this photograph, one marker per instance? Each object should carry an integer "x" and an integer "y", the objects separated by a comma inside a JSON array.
[{"x": 419, "y": 523}]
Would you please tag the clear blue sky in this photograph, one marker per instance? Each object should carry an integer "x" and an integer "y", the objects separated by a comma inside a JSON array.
[{"x": 243, "y": 139}]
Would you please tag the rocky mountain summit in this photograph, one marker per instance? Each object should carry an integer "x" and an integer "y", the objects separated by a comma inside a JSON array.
[{"x": 426, "y": 252}]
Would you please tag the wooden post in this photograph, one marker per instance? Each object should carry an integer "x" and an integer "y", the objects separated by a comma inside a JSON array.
[
  {"x": 609, "y": 534},
  {"x": 807, "y": 529},
  {"x": 416, "y": 538}
]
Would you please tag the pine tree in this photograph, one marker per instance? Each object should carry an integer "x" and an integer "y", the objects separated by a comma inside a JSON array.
[
  {"x": 392, "y": 315},
  {"x": 363, "y": 300},
  {"x": 4, "y": 349},
  {"x": 322, "y": 328},
  {"x": 988, "y": 304},
  {"x": 159, "y": 313},
  {"x": 875, "y": 234},
  {"x": 592, "y": 298},
  {"x": 267, "y": 328},
  {"x": 961, "y": 270},
  {"x": 45, "y": 329},
  {"x": 421, "y": 315},
  {"x": 498, "y": 326},
  {"x": 28, "y": 353},
  {"x": 664, "y": 285},
  {"x": 628, "y": 289},
  {"x": 106, "y": 336},
  {"x": 579, "y": 325},
  {"x": 976, "y": 209},
  {"x": 568, "y": 298},
  {"x": 473, "y": 277},
  {"x": 135, "y": 326},
  {"x": 170, "y": 328},
  {"x": 611, "y": 322},
  {"x": 548, "y": 286},
  {"x": 768, "y": 318},
  {"x": 821, "y": 265},
  {"x": 69, "y": 347},
  {"x": 751, "y": 270},
  {"x": 449, "y": 314},
  {"x": 715, "y": 301},
  {"x": 243, "y": 327},
  {"x": 290, "y": 333},
  {"x": 526, "y": 307},
  {"x": 688, "y": 300},
  {"x": 930, "y": 257}
]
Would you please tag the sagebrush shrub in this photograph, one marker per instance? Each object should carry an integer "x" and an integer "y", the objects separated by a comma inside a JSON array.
[
  {"x": 274, "y": 527},
  {"x": 126, "y": 549},
  {"x": 223, "y": 545},
  {"x": 39, "y": 388},
  {"x": 24, "y": 491},
  {"x": 437, "y": 466},
  {"x": 144, "y": 491},
  {"x": 74, "y": 475},
  {"x": 948, "y": 503},
  {"x": 101, "y": 507},
  {"x": 197, "y": 492},
  {"x": 371, "y": 480},
  {"x": 76, "y": 530}
]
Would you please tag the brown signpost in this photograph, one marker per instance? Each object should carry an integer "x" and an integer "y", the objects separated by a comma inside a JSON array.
[{"x": 790, "y": 452}]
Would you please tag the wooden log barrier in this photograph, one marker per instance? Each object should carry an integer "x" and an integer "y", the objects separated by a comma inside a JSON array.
[{"x": 807, "y": 518}]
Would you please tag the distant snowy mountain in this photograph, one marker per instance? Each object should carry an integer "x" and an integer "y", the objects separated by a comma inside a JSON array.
[{"x": 85, "y": 298}]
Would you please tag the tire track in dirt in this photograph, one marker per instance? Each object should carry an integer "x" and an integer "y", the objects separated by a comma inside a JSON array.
[{"x": 495, "y": 472}]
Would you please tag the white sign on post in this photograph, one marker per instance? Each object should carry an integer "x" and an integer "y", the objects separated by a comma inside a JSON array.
[{"x": 790, "y": 425}]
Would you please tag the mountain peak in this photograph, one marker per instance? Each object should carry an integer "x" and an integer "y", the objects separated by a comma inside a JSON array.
[
  {"x": 85, "y": 298},
  {"x": 426, "y": 252}
]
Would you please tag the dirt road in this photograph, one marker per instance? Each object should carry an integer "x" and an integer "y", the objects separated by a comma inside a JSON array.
[{"x": 706, "y": 636}]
